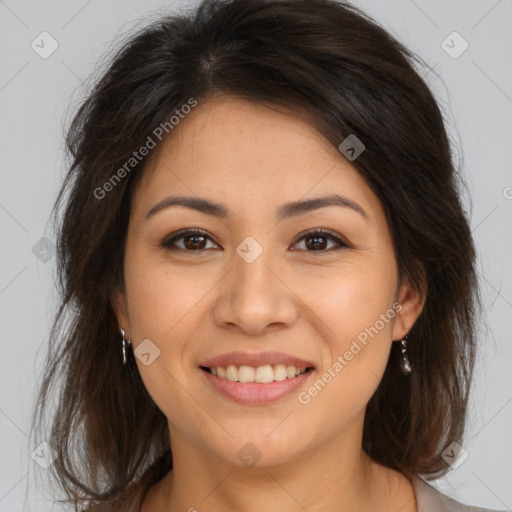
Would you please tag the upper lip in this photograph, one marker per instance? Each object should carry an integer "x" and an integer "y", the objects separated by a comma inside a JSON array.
[{"x": 255, "y": 360}]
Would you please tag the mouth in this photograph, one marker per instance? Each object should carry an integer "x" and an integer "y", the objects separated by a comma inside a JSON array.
[
  {"x": 260, "y": 374},
  {"x": 255, "y": 386}
]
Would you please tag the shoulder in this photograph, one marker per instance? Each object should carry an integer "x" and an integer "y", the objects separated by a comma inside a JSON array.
[{"x": 429, "y": 499}]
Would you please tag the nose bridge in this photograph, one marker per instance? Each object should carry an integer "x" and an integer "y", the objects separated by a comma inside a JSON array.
[
  {"x": 252, "y": 276},
  {"x": 253, "y": 297}
]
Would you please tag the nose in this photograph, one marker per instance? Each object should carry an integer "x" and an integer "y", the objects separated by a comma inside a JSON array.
[{"x": 254, "y": 297}]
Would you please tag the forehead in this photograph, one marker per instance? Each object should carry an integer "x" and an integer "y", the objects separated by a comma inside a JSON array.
[{"x": 249, "y": 155}]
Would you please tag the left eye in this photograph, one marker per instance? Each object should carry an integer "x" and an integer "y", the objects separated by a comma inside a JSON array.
[
  {"x": 317, "y": 240},
  {"x": 195, "y": 240}
]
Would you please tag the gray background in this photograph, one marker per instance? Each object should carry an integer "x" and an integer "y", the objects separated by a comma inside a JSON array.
[{"x": 36, "y": 95}]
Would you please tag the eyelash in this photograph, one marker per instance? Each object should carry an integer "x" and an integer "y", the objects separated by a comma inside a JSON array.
[{"x": 319, "y": 232}]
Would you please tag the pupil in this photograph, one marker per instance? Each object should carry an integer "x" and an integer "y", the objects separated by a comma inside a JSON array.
[
  {"x": 191, "y": 245},
  {"x": 315, "y": 243}
]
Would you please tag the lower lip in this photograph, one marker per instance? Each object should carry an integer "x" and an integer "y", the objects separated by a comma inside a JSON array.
[{"x": 254, "y": 393}]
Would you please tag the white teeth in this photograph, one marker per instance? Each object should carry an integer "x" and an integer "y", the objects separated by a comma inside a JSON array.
[
  {"x": 232, "y": 373},
  {"x": 264, "y": 374},
  {"x": 279, "y": 372},
  {"x": 246, "y": 374},
  {"x": 290, "y": 372},
  {"x": 261, "y": 374}
]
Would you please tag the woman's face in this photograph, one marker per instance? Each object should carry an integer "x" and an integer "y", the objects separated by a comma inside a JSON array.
[{"x": 257, "y": 282}]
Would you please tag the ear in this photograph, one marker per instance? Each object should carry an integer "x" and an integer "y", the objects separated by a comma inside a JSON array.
[
  {"x": 120, "y": 308},
  {"x": 412, "y": 302}
]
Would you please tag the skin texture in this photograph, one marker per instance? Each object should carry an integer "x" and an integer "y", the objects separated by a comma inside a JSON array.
[{"x": 305, "y": 302}]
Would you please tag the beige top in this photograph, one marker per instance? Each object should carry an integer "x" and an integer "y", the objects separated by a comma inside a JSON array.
[{"x": 429, "y": 499}]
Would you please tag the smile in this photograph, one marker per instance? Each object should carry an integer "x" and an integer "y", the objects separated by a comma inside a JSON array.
[{"x": 256, "y": 386}]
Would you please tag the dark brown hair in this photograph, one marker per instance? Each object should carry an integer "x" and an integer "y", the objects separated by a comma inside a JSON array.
[{"x": 344, "y": 74}]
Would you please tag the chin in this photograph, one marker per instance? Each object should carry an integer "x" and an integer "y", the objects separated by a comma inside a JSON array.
[{"x": 259, "y": 451}]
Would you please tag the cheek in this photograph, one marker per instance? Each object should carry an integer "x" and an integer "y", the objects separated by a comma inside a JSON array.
[
  {"x": 164, "y": 308},
  {"x": 350, "y": 298},
  {"x": 167, "y": 307},
  {"x": 355, "y": 306},
  {"x": 164, "y": 302}
]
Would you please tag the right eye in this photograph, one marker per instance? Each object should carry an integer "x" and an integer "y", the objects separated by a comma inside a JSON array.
[{"x": 194, "y": 240}]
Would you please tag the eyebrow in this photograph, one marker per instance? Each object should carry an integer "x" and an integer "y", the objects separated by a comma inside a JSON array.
[{"x": 284, "y": 211}]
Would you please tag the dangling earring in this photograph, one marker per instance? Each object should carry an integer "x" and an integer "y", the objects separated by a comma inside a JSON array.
[
  {"x": 124, "y": 346},
  {"x": 405, "y": 364}
]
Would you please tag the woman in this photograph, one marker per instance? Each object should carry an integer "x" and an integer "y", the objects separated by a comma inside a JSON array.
[{"x": 269, "y": 275}]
